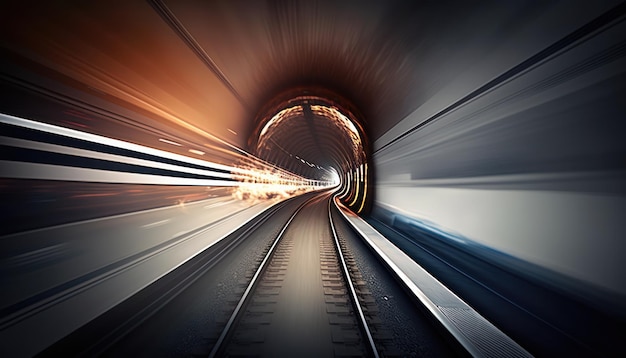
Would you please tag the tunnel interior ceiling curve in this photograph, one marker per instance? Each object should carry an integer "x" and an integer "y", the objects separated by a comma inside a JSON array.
[
  {"x": 387, "y": 57},
  {"x": 313, "y": 136},
  {"x": 495, "y": 115}
]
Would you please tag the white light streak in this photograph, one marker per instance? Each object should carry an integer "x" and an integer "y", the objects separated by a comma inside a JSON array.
[
  {"x": 169, "y": 142},
  {"x": 195, "y": 151},
  {"x": 278, "y": 117},
  {"x": 22, "y": 143},
  {"x": 94, "y": 138},
  {"x": 252, "y": 175},
  {"x": 20, "y": 170}
]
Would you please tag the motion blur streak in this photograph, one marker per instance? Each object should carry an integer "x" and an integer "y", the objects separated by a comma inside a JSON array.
[
  {"x": 485, "y": 140},
  {"x": 44, "y": 127},
  {"x": 10, "y": 169}
]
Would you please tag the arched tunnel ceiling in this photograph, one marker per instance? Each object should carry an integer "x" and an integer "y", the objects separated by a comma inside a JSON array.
[
  {"x": 309, "y": 135},
  {"x": 512, "y": 111},
  {"x": 387, "y": 57},
  {"x": 540, "y": 84},
  {"x": 214, "y": 64}
]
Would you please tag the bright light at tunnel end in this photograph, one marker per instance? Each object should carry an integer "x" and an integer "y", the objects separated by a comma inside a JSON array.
[
  {"x": 335, "y": 180},
  {"x": 307, "y": 126}
]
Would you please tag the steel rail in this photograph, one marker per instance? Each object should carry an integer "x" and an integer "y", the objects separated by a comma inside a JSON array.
[
  {"x": 353, "y": 294},
  {"x": 255, "y": 279}
]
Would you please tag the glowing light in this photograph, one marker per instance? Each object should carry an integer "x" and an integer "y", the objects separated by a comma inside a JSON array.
[
  {"x": 278, "y": 117},
  {"x": 355, "y": 177},
  {"x": 334, "y": 177},
  {"x": 256, "y": 177},
  {"x": 169, "y": 142},
  {"x": 195, "y": 151},
  {"x": 356, "y": 190},
  {"x": 348, "y": 185},
  {"x": 94, "y": 138},
  {"x": 272, "y": 185},
  {"x": 364, "y": 188}
]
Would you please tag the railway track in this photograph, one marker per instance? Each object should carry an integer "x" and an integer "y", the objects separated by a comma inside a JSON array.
[
  {"x": 301, "y": 300},
  {"x": 287, "y": 283}
]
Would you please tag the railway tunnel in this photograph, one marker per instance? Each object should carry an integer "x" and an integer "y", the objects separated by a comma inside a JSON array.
[{"x": 280, "y": 178}]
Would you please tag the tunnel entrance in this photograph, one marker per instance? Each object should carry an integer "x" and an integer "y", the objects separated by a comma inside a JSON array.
[{"x": 318, "y": 134}]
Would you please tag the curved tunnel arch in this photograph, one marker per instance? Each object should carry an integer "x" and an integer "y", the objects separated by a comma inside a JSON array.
[
  {"x": 483, "y": 119},
  {"x": 315, "y": 132}
]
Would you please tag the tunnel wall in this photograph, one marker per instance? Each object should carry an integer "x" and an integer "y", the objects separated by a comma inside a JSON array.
[{"x": 524, "y": 152}]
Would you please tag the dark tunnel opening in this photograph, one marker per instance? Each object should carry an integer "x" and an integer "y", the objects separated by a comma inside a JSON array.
[{"x": 318, "y": 134}]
